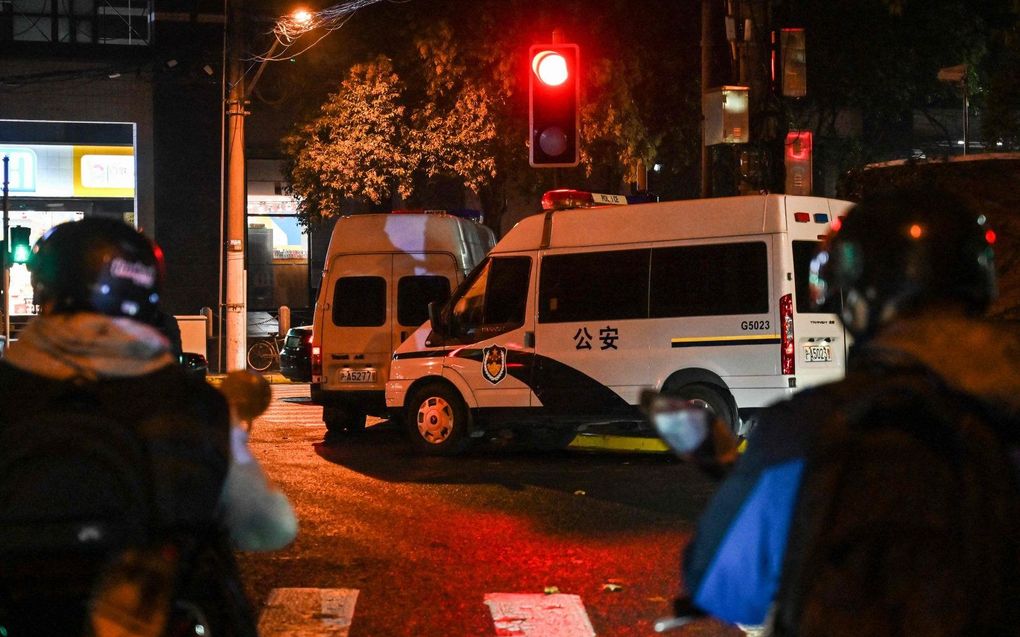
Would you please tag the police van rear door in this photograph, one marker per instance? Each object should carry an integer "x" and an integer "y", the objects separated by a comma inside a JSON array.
[{"x": 819, "y": 344}]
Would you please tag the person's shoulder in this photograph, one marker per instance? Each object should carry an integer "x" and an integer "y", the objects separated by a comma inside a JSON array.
[
  {"x": 176, "y": 384},
  {"x": 785, "y": 429}
]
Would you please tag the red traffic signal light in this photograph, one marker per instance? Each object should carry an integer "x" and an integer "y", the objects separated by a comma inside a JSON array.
[
  {"x": 553, "y": 93},
  {"x": 797, "y": 160}
]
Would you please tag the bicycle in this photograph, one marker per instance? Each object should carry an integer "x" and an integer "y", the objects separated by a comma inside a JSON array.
[{"x": 263, "y": 353}]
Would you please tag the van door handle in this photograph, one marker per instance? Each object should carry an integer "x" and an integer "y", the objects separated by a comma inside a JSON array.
[{"x": 529, "y": 339}]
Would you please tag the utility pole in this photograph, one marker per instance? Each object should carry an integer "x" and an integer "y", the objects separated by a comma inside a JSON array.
[
  {"x": 707, "y": 44},
  {"x": 235, "y": 307}
]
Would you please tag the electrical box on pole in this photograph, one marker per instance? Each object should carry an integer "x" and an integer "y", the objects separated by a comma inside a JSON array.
[
  {"x": 726, "y": 117},
  {"x": 553, "y": 97},
  {"x": 793, "y": 57}
]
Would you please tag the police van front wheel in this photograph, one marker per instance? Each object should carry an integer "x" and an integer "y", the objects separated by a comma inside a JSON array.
[{"x": 437, "y": 421}]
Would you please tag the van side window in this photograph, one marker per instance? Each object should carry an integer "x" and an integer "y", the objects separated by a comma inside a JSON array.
[
  {"x": 359, "y": 301},
  {"x": 492, "y": 301},
  {"x": 414, "y": 293},
  {"x": 710, "y": 280},
  {"x": 594, "y": 286}
]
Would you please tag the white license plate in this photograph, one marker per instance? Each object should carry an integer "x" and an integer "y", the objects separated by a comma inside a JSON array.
[
  {"x": 817, "y": 353},
  {"x": 357, "y": 376}
]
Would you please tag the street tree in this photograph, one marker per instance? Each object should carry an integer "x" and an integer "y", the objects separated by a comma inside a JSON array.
[{"x": 356, "y": 147}]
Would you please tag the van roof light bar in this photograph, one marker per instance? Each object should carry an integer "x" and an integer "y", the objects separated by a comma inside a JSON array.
[{"x": 566, "y": 198}]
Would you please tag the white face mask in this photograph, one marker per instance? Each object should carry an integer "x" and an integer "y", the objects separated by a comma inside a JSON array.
[{"x": 684, "y": 430}]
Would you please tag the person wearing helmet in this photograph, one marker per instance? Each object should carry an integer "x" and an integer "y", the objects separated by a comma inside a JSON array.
[
  {"x": 97, "y": 284},
  {"x": 885, "y": 503}
]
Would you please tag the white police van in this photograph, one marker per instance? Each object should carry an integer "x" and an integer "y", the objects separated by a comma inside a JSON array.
[
  {"x": 577, "y": 310},
  {"x": 380, "y": 274}
]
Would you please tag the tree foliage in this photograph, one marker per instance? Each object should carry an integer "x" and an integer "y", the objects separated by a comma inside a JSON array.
[
  {"x": 449, "y": 112},
  {"x": 356, "y": 147}
]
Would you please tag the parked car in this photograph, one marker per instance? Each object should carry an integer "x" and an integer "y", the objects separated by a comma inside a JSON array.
[
  {"x": 296, "y": 355},
  {"x": 195, "y": 364}
]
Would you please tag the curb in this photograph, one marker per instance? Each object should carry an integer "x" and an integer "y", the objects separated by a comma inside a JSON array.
[
  {"x": 274, "y": 378},
  {"x": 619, "y": 443}
]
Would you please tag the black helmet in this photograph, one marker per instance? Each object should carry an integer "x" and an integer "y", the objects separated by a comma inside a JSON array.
[
  {"x": 97, "y": 265},
  {"x": 897, "y": 253}
]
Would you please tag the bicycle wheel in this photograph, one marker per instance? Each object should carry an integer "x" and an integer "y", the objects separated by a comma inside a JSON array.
[{"x": 261, "y": 356}]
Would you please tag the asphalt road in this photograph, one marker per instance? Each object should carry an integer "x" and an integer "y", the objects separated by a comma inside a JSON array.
[{"x": 415, "y": 546}]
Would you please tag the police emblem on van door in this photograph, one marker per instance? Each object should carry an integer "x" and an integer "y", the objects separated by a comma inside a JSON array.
[{"x": 494, "y": 363}]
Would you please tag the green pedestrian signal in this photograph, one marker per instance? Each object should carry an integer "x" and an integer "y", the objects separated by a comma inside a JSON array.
[{"x": 21, "y": 247}]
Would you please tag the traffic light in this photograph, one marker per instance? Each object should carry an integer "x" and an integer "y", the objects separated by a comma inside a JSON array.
[
  {"x": 797, "y": 160},
  {"x": 553, "y": 92},
  {"x": 21, "y": 248}
]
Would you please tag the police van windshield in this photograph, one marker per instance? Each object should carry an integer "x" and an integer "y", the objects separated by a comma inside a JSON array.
[{"x": 492, "y": 301}]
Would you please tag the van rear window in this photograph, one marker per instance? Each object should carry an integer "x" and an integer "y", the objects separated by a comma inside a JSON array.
[
  {"x": 359, "y": 301},
  {"x": 414, "y": 293},
  {"x": 803, "y": 252}
]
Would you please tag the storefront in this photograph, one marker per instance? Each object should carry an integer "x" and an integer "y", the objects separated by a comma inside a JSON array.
[
  {"x": 282, "y": 266},
  {"x": 50, "y": 184}
]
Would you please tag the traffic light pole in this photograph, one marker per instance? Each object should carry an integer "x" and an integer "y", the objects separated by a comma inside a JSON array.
[{"x": 3, "y": 259}]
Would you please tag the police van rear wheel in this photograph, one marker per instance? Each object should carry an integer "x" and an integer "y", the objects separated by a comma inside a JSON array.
[
  {"x": 437, "y": 421},
  {"x": 708, "y": 397}
]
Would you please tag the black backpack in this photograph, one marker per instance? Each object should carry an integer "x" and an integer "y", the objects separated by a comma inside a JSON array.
[
  {"x": 92, "y": 470},
  {"x": 908, "y": 517}
]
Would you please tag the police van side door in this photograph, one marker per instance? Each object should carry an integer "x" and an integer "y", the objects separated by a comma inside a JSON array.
[{"x": 491, "y": 323}]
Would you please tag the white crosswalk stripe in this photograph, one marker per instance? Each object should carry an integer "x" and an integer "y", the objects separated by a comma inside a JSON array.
[
  {"x": 329, "y": 612},
  {"x": 291, "y": 404},
  {"x": 308, "y": 612},
  {"x": 538, "y": 615}
]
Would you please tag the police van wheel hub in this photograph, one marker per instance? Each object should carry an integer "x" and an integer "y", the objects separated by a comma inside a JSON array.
[{"x": 435, "y": 420}]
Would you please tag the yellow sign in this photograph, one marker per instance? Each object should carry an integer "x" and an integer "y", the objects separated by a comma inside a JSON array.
[{"x": 104, "y": 171}]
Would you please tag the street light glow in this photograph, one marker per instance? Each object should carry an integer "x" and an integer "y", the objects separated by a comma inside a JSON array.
[{"x": 301, "y": 16}]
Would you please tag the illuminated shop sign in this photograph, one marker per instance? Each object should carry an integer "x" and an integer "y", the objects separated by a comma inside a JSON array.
[
  {"x": 20, "y": 168},
  {"x": 71, "y": 171}
]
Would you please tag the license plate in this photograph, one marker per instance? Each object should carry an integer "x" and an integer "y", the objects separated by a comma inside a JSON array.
[
  {"x": 357, "y": 375},
  {"x": 817, "y": 353}
]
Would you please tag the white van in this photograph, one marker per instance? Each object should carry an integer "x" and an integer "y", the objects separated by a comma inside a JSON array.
[
  {"x": 380, "y": 274},
  {"x": 576, "y": 311}
]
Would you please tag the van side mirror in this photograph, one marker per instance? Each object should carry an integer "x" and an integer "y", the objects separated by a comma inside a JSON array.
[{"x": 436, "y": 319}]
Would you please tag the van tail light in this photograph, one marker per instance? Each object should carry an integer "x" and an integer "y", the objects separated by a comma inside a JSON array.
[
  {"x": 316, "y": 360},
  {"x": 787, "y": 358}
]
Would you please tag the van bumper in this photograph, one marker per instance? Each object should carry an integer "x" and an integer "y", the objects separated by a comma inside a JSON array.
[{"x": 396, "y": 394}]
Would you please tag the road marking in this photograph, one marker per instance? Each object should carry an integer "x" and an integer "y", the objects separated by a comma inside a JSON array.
[
  {"x": 308, "y": 612},
  {"x": 537, "y": 615}
]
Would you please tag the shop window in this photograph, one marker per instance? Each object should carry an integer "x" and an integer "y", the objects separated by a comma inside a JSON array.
[
  {"x": 277, "y": 254},
  {"x": 78, "y": 21}
]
